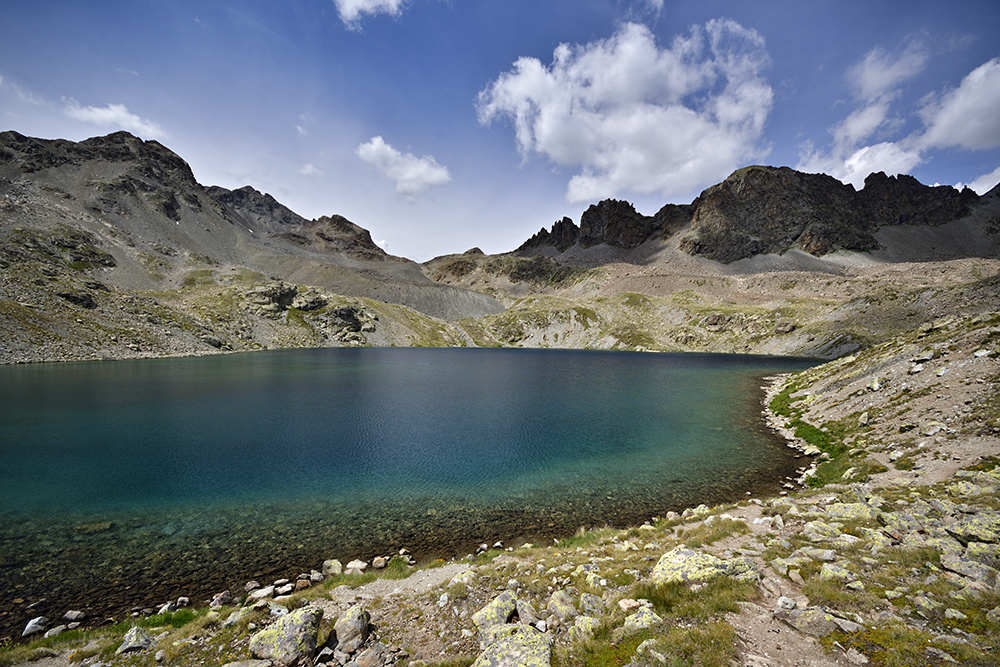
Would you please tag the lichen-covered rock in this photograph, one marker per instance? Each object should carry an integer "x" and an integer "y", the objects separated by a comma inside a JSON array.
[
  {"x": 583, "y": 627},
  {"x": 332, "y": 567},
  {"x": 291, "y": 640},
  {"x": 968, "y": 568},
  {"x": 375, "y": 655},
  {"x": 683, "y": 565},
  {"x": 135, "y": 639},
  {"x": 898, "y": 524},
  {"x": 852, "y": 511},
  {"x": 983, "y": 527},
  {"x": 526, "y": 612},
  {"x": 987, "y": 554},
  {"x": 351, "y": 630},
  {"x": 643, "y": 619},
  {"x": 517, "y": 646},
  {"x": 783, "y": 565},
  {"x": 835, "y": 571},
  {"x": 561, "y": 605},
  {"x": 592, "y": 605},
  {"x": 817, "y": 531},
  {"x": 494, "y": 615}
]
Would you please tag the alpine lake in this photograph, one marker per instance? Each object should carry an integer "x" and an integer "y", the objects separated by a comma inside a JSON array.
[{"x": 133, "y": 482}]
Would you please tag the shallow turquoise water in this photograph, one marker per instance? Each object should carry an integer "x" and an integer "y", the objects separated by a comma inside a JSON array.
[{"x": 249, "y": 463}]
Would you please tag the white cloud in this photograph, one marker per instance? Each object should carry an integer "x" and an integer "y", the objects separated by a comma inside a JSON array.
[
  {"x": 968, "y": 116},
  {"x": 308, "y": 170},
  {"x": 350, "y": 11},
  {"x": 413, "y": 175},
  {"x": 114, "y": 116},
  {"x": 985, "y": 183},
  {"x": 879, "y": 72},
  {"x": 629, "y": 115},
  {"x": 964, "y": 117}
]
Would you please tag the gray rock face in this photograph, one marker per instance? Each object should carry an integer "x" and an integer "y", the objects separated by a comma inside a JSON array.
[{"x": 291, "y": 640}]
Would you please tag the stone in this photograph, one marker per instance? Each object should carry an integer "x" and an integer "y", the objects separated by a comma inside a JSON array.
[
  {"x": 375, "y": 655},
  {"x": 249, "y": 663},
  {"x": 982, "y": 527},
  {"x": 583, "y": 627},
  {"x": 561, "y": 605},
  {"x": 351, "y": 630},
  {"x": 817, "y": 531},
  {"x": 968, "y": 568},
  {"x": 526, "y": 613},
  {"x": 835, "y": 571},
  {"x": 250, "y": 586},
  {"x": 682, "y": 564},
  {"x": 287, "y": 589},
  {"x": 591, "y": 605},
  {"x": 379, "y": 562},
  {"x": 898, "y": 524},
  {"x": 261, "y": 594},
  {"x": 291, "y": 640},
  {"x": 332, "y": 567},
  {"x": 993, "y": 615},
  {"x": 852, "y": 511},
  {"x": 628, "y": 604},
  {"x": 301, "y": 585},
  {"x": 786, "y": 603},
  {"x": 134, "y": 640},
  {"x": 501, "y": 610},
  {"x": 221, "y": 599},
  {"x": 814, "y": 621},
  {"x": 35, "y": 625},
  {"x": 855, "y": 657},
  {"x": 987, "y": 554},
  {"x": 954, "y": 614},
  {"x": 643, "y": 619},
  {"x": 54, "y": 632},
  {"x": 74, "y": 616},
  {"x": 517, "y": 646},
  {"x": 236, "y": 617},
  {"x": 356, "y": 567}
]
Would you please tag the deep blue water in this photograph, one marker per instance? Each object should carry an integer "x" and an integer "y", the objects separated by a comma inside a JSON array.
[{"x": 343, "y": 452}]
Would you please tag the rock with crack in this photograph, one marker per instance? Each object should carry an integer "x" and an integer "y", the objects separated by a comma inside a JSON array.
[
  {"x": 682, "y": 565},
  {"x": 291, "y": 640},
  {"x": 499, "y": 612},
  {"x": 816, "y": 621}
]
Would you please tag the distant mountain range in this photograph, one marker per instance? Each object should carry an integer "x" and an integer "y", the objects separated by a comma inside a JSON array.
[{"x": 110, "y": 248}]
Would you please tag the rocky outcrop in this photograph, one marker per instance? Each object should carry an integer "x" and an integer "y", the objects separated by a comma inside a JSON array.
[{"x": 759, "y": 210}]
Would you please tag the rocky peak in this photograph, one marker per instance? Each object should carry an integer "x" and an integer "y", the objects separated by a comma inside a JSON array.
[
  {"x": 903, "y": 200},
  {"x": 337, "y": 234},
  {"x": 260, "y": 210},
  {"x": 153, "y": 159},
  {"x": 614, "y": 222}
]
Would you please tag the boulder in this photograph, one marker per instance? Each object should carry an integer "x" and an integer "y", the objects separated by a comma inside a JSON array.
[
  {"x": 561, "y": 605},
  {"x": 376, "y": 655},
  {"x": 983, "y": 527},
  {"x": 592, "y": 605},
  {"x": 814, "y": 621},
  {"x": 517, "y": 646},
  {"x": 332, "y": 567},
  {"x": 583, "y": 627},
  {"x": 134, "y": 640},
  {"x": 686, "y": 565},
  {"x": 291, "y": 640},
  {"x": 849, "y": 511},
  {"x": 356, "y": 567},
  {"x": 643, "y": 619},
  {"x": 500, "y": 611},
  {"x": 35, "y": 625},
  {"x": 351, "y": 630}
]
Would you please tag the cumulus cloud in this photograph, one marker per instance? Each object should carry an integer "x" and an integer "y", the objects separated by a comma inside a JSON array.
[
  {"x": 351, "y": 11},
  {"x": 114, "y": 116},
  {"x": 628, "y": 115},
  {"x": 968, "y": 116},
  {"x": 412, "y": 175}
]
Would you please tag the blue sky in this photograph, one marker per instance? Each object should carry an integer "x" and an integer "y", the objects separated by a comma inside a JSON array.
[{"x": 442, "y": 125}]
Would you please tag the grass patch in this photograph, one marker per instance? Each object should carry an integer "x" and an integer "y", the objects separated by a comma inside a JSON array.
[{"x": 710, "y": 533}]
